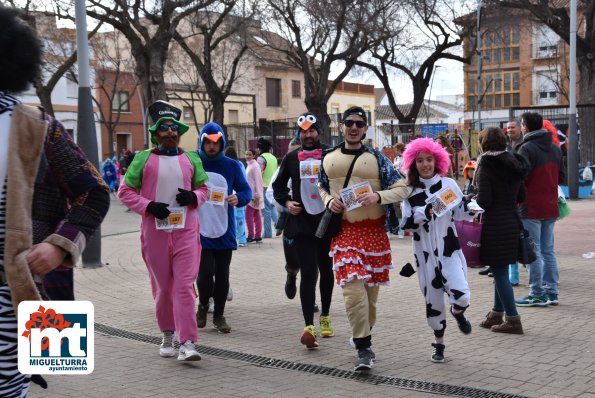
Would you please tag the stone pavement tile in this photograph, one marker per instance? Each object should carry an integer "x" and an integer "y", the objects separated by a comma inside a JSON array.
[
  {"x": 557, "y": 341},
  {"x": 117, "y": 375}
]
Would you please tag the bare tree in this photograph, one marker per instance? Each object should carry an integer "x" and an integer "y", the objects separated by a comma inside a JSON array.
[
  {"x": 415, "y": 35},
  {"x": 115, "y": 82},
  {"x": 188, "y": 87},
  {"x": 215, "y": 43},
  {"x": 59, "y": 52},
  {"x": 149, "y": 27},
  {"x": 319, "y": 36}
]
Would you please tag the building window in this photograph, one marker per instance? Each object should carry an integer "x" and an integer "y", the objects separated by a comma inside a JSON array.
[
  {"x": 516, "y": 34},
  {"x": 545, "y": 42},
  {"x": 506, "y": 100},
  {"x": 233, "y": 116},
  {"x": 472, "y": 101},
  {"x": 296, "y": 89},
  {"x": 515, "y": 53},
  {"x": 71, "y": 88},
  {"x": 120, "y": 102},
  {"x": 273, "y": 87},
  {"x": 188, "y": 113},
  {"x": 545, "y": 83}
]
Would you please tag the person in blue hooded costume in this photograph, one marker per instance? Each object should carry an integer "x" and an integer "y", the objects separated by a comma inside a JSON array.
[{"x": 217, "y": 216}]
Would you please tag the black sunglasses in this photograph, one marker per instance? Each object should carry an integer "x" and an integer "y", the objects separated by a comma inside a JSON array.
[
  {"x": 359, "y": 123},
  {"x": 165, "y": 127}
]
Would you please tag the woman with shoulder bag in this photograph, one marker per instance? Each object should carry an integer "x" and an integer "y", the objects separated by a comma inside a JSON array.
[{"x": 499, "y": 178}]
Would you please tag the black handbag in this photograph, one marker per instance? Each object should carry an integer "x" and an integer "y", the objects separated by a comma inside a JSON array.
[
  {"x": 330, "y": 223},
  {"x": 526, "y": 253}
]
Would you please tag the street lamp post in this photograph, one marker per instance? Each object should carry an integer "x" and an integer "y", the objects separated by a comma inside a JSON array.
[
  {"x": 479, "y": 62},
  {"x": 86, "y": 132},
  {"x": 573, "y": 154},
  {"x": 430, "y": 96}
]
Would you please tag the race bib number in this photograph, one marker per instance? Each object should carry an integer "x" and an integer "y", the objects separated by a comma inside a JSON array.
[
  {"x": 175, "y": 220},
  {"x": 216, "y": 196},
  {"x": 309, "y": 168}
]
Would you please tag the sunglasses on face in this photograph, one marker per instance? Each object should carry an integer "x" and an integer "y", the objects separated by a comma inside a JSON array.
[
  {"x": 359, "y": 123},
  {"x": 165, "y": 127}
]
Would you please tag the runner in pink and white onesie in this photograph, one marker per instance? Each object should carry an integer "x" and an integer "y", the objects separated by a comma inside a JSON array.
[{"x": 165, "y": 185}]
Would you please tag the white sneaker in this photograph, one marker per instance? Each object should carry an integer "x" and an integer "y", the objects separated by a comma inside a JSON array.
[
  {"x": 188, "y": 352},
  {"x": 230, "y": 294},
  {"x": 211, "y": 306},
  {"x": 167, "y": 350}
]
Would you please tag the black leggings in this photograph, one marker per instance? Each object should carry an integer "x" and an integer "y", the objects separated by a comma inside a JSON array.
[
  {"x": 313, "y": 257},
  {"x": 214, "y": 263}
]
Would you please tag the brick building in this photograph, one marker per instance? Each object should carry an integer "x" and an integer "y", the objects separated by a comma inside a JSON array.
[{"x": 523, "y": 64}]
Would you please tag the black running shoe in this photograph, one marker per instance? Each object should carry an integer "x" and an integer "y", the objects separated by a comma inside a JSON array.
[{"x": 364, "y": 360}]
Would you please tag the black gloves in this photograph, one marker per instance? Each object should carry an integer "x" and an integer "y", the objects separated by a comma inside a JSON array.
[
  {"x": 407, "y": 270},
  {"x": 158, "y": 209},
  {"x": 185, "y": 198}
]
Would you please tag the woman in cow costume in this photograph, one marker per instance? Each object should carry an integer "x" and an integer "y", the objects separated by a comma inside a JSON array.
[{"x": 441, "y": 266}]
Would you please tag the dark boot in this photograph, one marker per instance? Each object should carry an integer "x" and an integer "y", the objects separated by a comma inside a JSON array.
[
  {"x": 512, "y": 325},
  {"x": 492, "y": 318},
  {"x": 462, "y": 322},
  {"x": 290, "y": 285},
  {"x": 201, "y": 315}
]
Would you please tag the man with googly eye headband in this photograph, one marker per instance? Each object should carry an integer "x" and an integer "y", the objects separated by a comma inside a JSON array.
[{"x": 299, "y": 170}]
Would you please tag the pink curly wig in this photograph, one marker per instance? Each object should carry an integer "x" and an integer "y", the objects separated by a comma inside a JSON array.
[{"x": 419, "y": 145}]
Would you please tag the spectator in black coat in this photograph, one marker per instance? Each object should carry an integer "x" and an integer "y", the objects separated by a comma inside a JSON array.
[{"x": 499, "y": 179}]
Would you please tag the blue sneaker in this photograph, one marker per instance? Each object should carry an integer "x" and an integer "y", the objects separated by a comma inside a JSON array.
[
  {"x": 532, "y": 301},
  {"x": 552, "y": 298}
]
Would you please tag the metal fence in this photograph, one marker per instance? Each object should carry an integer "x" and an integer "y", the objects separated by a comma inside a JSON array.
[
  {"x": 559, "y": 114},
  {"x": 278, "y": 132}
]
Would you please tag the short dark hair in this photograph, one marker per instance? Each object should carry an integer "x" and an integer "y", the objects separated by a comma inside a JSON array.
[
  {"x": 533, "y": 120},
  {"x": 21, "y": 59},
  {"x": 230, "y": 152},
  {"x": 355, "y": 110},
  {"x": 263, "y": 144},
  {"x": 492, "y": 139}
]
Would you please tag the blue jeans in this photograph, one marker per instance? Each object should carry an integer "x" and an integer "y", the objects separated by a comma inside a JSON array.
[
  {"x": 503, "y": 294},
  {"x": 543, "y": 272},
  {"x": 240, "y": 215},
  {"x": 269, "y": 213},
  {"x": 513, "y": 273}
]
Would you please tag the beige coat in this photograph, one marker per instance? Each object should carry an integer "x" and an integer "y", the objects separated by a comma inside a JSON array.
[{"x": 26, "y": 142}]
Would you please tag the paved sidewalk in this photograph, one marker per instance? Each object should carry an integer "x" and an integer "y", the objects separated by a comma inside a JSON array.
[{"x": 555, "y": 357}]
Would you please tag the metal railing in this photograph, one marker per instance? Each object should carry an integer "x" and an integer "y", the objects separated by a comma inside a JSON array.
[
  {"x": 545, "y": 97},
  {"x": 545, "y": 50}
]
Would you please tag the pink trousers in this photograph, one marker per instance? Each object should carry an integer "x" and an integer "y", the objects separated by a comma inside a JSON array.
[
  {"x": 173, "y": 260},
  {"x": 253, "y": 222}
]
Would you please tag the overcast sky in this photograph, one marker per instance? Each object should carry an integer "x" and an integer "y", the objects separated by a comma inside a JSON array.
[{"x": 448, "y": 80}]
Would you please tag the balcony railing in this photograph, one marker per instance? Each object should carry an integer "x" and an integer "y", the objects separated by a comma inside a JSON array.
[
  {"x": 545, "y": 51},
  {"x": 546, "y": 97}
]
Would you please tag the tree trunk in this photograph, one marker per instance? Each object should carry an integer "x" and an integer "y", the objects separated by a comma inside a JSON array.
[
  {"x": 216, "y": 97},
  {"x": 317, "y": 105},
  {"x": 150, "y": 65},
  {"x": 45, "y": 99}
]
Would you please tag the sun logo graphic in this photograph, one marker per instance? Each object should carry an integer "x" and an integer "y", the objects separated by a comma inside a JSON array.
[{"x": 56, "y": 337}]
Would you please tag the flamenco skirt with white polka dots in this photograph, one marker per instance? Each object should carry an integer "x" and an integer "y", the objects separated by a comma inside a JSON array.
[{"x": 362, "y": 250}]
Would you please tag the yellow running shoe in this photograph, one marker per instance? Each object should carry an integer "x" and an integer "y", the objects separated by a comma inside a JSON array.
[
  {"x": 309, "y": 337},
  {"x": 326, "y": 330}
]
